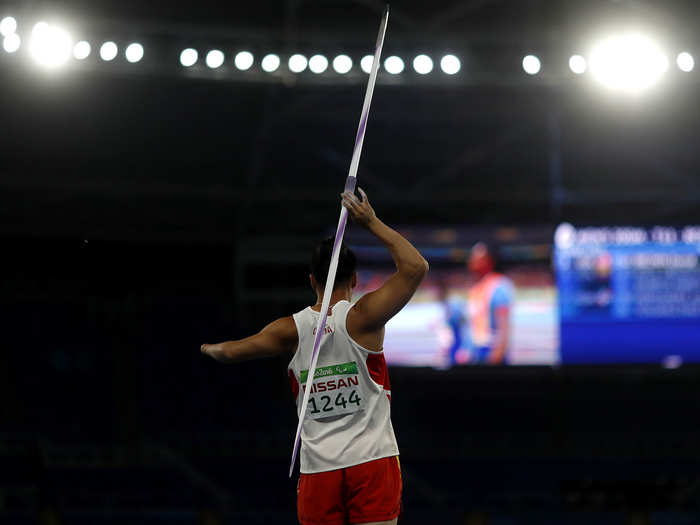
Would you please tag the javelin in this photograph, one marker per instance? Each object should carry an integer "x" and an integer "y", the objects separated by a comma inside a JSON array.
[{"x": 350, "y": 183}]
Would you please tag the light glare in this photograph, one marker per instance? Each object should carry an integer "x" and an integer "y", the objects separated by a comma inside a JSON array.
[
  {"x": 134, "y": 52},
  {"x": 366, "y": 63},
  {"x": 393, "y": 65},
  {"x": 318, "y": 64},
  {"x": 11, "y": 43},
  {"x": 629, "y": 63},
  {"x": 685, "y": 62},
  {"x": 244, "y": 60},
  {"x": 8, "y": 26},
  {"x": 531, "y": 64},
  {"x": 50, "y": 45},
  {"x": 270, "y": 63},
  {"x": 423, "y": 64},
  {"x": 82, "y": 50},
  {"x": 108, "y": 51},
  {"x": 189, "y": 57},
  {"x": 215, "y": 58},
  {"x": 342, "y": 64},
  {"x": 577, "y": 64},
  {"x": 450, "y": 65},
  {"x": 297, "y": 63}
]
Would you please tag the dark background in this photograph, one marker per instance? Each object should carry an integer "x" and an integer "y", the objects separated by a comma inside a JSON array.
[{"x": 145, "y": 210}]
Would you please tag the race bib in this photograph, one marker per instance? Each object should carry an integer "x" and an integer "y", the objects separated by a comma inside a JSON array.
[{"x": 336, "y": 391}]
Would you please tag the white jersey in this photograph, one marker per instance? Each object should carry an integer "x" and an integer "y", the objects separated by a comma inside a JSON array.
[{"x": 348, "y": 420}]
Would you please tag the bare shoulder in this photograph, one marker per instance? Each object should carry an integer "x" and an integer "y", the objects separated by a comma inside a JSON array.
[
  {"x": 282, "y": 334},
  {"x": 358, "y": 330},
  {"x": 283, "y": 327}
]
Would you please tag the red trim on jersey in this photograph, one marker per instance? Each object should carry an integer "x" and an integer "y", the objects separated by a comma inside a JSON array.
[
  {"x": 378, "y": 371},
  {"x": 295, "y": 384}
]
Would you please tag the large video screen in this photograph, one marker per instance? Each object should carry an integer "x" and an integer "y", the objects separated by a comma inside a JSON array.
[
  {"x": 628, "y": 294},
  {"x": 452, "y": 319},
  {"x": 570, "y": 296}
]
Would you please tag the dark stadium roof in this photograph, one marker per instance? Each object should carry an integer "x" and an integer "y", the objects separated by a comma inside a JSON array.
[{"x": 100, "y": 154}]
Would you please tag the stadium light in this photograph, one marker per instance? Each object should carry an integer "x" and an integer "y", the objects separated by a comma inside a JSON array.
[
  {"x": 82, "y": 50},
  {"x": 393, "y": 65},
  {"x": 49, "y": 45},
  {"x": 685, "y": 62},
  {"x": 8, "y": 26},
  {"x": 11, "y": 43},
  {"x": 244, "y": 60},
  {"x": 189, "y": 57},
  {"x": 215, "y": 59},
  {"x": 108, "y": 51},
  {"x": 423, "y": 64},
  {"x": 297, "y": 63},
  {"x": 531, "y": 64},
  {"x": 134, "y": 52},
  {"x": 318, "y": 64},
  {"x": 270, "y": 63},
  {"x": 577, "y": 64},
  {"x": 450, "y": 65},
  {"x": 342, "y": 64},
  {"x": 630, "y": 62},
  {"x": 366, "y": 63}
]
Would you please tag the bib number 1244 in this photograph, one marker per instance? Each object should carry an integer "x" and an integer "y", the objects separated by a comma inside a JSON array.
[{"x": 334, "y": 404}]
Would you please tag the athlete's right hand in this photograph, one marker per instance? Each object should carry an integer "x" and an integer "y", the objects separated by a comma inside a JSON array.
[{"x": 360, "y": 211}]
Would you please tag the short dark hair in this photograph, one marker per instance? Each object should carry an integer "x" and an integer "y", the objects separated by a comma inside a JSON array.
[{"x": 321, "y": 261}]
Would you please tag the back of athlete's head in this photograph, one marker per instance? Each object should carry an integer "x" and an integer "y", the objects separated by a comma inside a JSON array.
[{"x": 321, "y": 260}]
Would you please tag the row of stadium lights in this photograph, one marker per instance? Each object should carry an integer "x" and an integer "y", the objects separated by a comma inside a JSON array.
[
  {"x": 318, "y": 64},
  {"x": 52, "y": 46},
  {"x": 628, "y": 61}
]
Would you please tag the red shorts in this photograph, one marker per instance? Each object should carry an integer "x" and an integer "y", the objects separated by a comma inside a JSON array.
[{"x": 361, "y": 494}]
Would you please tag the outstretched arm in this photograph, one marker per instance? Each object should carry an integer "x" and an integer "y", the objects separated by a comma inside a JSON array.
[
  {"x": 372, "y": 312},
  {"x": 276, "y": 338}
]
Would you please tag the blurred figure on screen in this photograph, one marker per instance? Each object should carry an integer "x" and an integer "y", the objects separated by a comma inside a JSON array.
[
  {"x": 487, "y": 315},
  {"x": 489, "y": 306}
]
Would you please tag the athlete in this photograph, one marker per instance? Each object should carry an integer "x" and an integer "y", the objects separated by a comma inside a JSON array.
[{"x": 350, "y": 470}]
